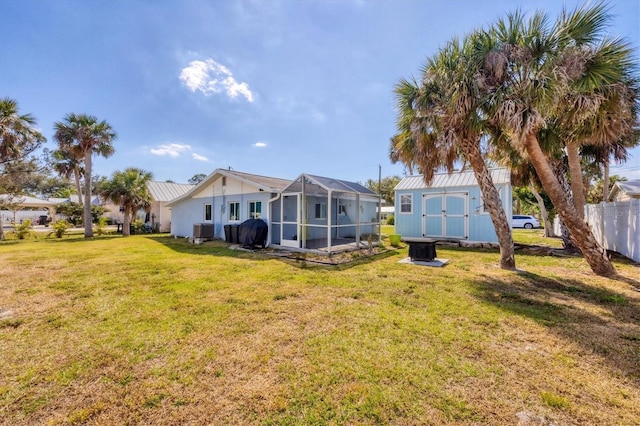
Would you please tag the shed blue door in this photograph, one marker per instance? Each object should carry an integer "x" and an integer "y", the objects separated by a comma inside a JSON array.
[
  {"x": 445, "y": 215},
  {"x": 432, "y": 211},
  {"x": 456, "y": 215}
]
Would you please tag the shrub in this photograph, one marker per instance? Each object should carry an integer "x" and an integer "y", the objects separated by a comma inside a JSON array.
[
  {"x": 60, "y": 228},
  {"x": 24, "y": 229},
  {"x": 101, "y": 226},
  {"x": 391, "y": 220},
  {"x": 138, "y": 226}
]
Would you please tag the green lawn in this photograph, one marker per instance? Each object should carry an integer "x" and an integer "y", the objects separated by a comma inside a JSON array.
[{"x": 153, "y": 330}]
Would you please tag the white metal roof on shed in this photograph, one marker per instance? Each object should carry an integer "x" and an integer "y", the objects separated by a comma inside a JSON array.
[
  {"x": 455, "y": 179},
  {"x": 166, "y": 191}
]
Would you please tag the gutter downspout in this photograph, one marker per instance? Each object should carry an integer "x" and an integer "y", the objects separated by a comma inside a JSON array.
[{"x": 269, "y": 230}]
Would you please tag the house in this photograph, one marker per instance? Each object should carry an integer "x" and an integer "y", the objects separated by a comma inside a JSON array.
[
  {"x": 159, "y": 215},
  {"x": 386, "y": 211},
  {"x": 225, "y": 197},
  {"x": 625, "y": 191},
  {"x": 308, "y": 213},
  {"x": 73, "y": 198},
  {"x": 451, "y": 208},
  {"x": 25, "y": 207}
]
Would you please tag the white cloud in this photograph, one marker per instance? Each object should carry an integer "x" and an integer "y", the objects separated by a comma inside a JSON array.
[
  {"x": 171, "y": 149},
  {"x": 209, "y": 77},
  {"x": 199, "y": 157},
  {"x": 259, "y": 144}
]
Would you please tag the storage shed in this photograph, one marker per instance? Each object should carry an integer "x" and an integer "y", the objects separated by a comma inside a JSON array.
[{"x": 451, "y": 208}]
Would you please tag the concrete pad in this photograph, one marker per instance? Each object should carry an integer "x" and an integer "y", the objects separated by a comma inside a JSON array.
[{"x": 436, "y": 263}]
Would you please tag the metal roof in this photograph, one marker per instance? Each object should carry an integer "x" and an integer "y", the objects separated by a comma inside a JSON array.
[
  {"x": 166, "y": 191},
  {"x": 330, "y": 184},
  {"x": 455, "y": 179},
  {"x": 26, "y": 201},
  {"x": 73, "y": 198},
  {"x": 266, "y": 183}
]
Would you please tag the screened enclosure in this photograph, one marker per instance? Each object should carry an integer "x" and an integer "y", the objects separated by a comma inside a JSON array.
[{"x": 329, "y": 215}]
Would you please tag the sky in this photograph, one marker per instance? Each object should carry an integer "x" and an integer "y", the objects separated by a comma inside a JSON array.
[{"x": 275, "y": 88}]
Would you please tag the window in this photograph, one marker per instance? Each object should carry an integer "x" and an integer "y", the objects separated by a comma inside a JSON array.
[
  {"x": 234, "y": 211},
  {"x": 342, "y": 209},
  {"x": 321, "y": 211},
  {"x": 207, "y": 211},
  {"x": 255, "y": 209},
  {"x": 482, "y": 209},
  {"x": 406, "y": 203}
]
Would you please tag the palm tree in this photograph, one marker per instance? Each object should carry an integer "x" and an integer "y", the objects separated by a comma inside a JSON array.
[
  {"x": 128, "y": 188},
  {"x": 526, "y": 77},
  {"x": 599, "y": 107},
  {"x": 83, "y": 135},
  {"x": 18, "y": 136},
  {"x": 439, "y": 123},
  {"x": 18, "y": 139},
  {"x": 66, "y": 165}
]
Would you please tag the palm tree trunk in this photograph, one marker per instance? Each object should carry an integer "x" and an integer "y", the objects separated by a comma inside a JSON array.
[
  {"x": 548, "y": 226},
  {"x": 580, "y": 232},
  {"x": 126, "y": 222},
  {"x": 575, "y": 171},
  {"x": 76, "y": 176},
  {"x": 560, "y": 171},
  {"x": 88, "y": 225},
  {"x": 492, "y": 203}
]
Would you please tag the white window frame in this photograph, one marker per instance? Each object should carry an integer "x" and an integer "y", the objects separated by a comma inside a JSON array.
[
  {"x": 342, "y": 209},
  {"x": 410, "y": 203},
  {"x": 210, "y": 212},
  {"x": 253, "y": 213},
  {"x": 234, "y": 207},
  {"x": 323, "y": 211},
  {"x": 481, "y": 209}
]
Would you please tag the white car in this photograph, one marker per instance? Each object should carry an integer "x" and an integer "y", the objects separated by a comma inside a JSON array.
[{"x": 524, "y": 221}]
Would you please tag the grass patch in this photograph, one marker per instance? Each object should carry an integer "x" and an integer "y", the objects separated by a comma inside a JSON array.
[
  {"x": 554, "y": 401},
  {"x": 535, "y": 237},
  {"x": 153, "y": 330}
]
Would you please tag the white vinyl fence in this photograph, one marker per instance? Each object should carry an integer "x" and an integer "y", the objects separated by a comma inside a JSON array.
[{"x": 616, "y": 226}]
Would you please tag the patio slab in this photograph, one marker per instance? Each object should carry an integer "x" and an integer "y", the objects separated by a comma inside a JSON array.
[{"x": 435, "y": 263}]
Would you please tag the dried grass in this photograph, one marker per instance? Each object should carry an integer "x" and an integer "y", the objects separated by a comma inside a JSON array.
[{"x": 150, "y": 330}]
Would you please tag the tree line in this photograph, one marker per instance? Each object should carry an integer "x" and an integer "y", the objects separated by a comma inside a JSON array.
[{"x": 79, "y": 138}]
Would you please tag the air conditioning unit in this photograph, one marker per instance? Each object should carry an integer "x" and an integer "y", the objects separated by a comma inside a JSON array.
[{"x": 203, "y": 231}]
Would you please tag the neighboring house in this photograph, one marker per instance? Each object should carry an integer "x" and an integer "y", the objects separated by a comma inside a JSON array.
[
  {"x": 386, "y": 211},
  {"x": 625, "y": 191},
  {"x": 310, "y": 212},
  {"x": 162, "y": 193},
  {"x": 159, "y": 214},
  {"x": 37, "y": 208},
  {"x": 73, "y": 198},
  {"x": 451, "y": 208}
]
